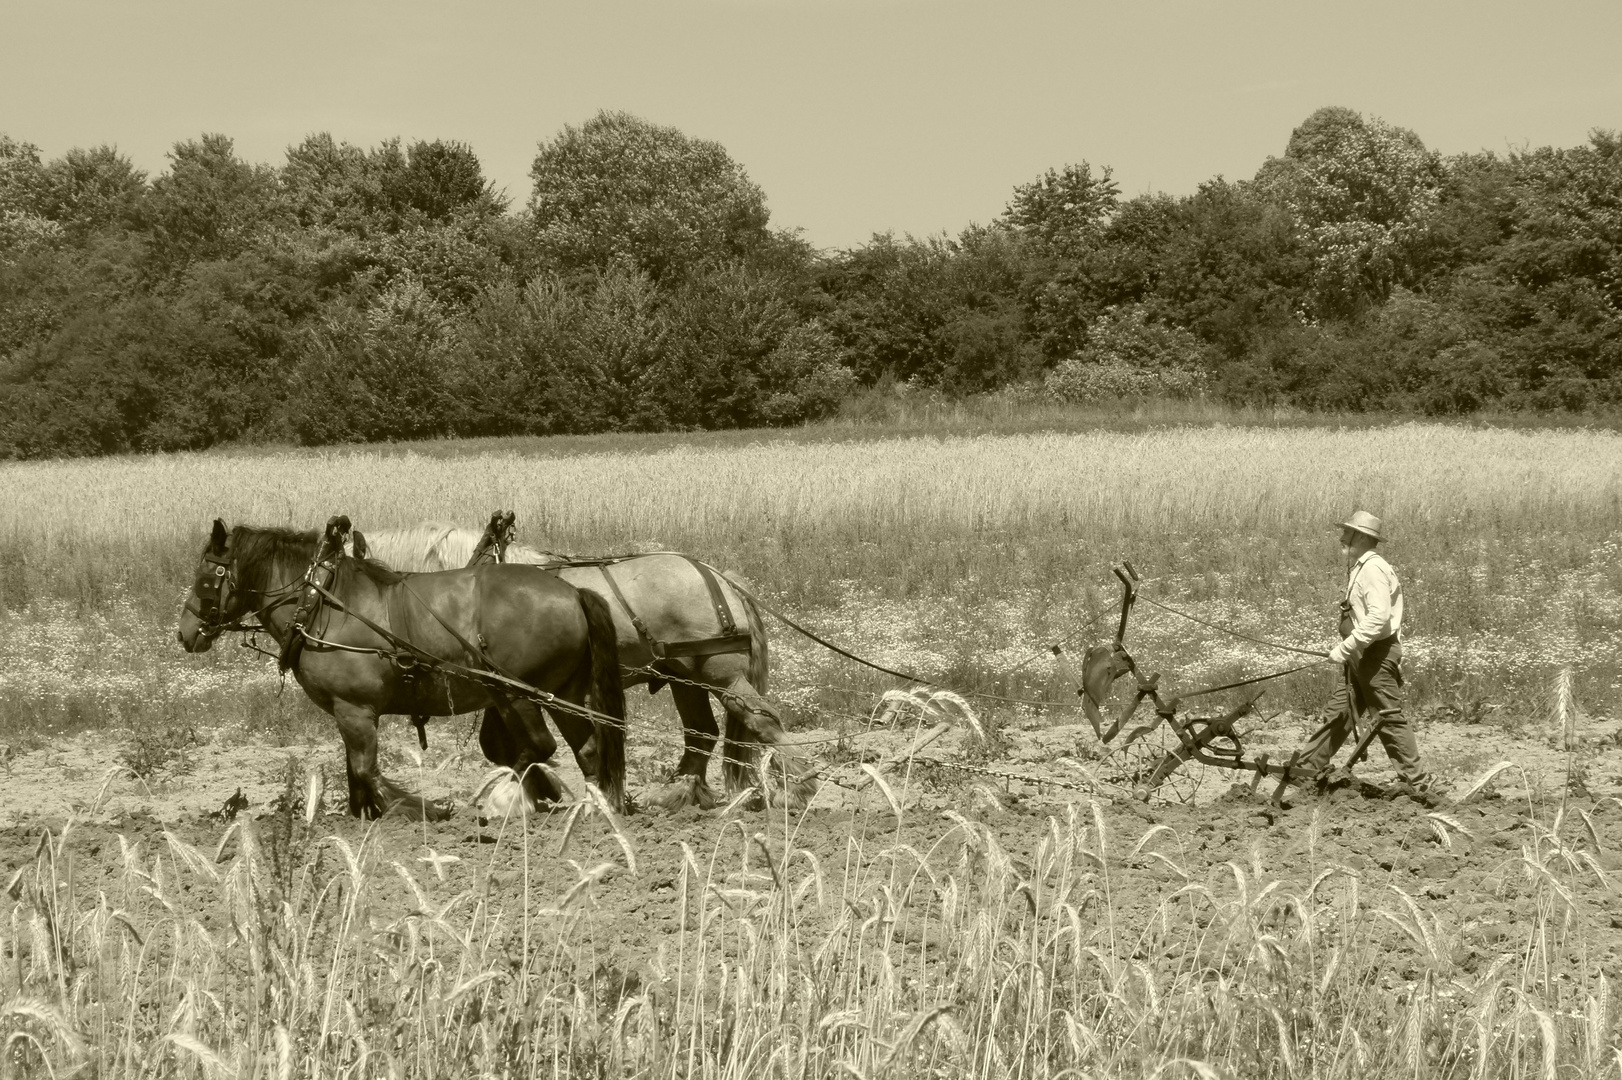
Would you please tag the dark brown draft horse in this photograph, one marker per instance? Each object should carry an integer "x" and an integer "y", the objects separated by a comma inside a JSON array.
[
  {"x": 666, "y": 601},
  {"x": 531, "y": 627}
]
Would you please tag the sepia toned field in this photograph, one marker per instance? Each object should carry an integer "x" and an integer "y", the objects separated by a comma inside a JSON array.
[{"x": 996, "y": 903}]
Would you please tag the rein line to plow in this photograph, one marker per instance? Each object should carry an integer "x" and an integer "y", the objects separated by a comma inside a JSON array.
[
  {"x": 904, "y": 675},
  {"x": 1233, "y": 633},
  {"x": 1203, "y": 691},
  {"x": 913, "y": 677}
]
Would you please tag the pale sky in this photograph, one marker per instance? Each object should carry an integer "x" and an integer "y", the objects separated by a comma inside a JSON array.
[{"x": 855, "y": 117}]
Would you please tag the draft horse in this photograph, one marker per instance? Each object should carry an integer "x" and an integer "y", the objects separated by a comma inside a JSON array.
[
  {"x": 529, "y": 627},
  {"x": 679, "y": 623}
]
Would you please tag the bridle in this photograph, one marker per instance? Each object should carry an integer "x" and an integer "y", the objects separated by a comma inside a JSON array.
[
  {"x": 210, "y": 591},
  {"x": 213, "y": 590}
]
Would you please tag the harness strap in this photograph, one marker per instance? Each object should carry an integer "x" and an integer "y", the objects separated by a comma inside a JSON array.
[
  {"x": 406, "y": 664},
  {"x": 381, "y": 631},
  {"x": 730, "y": 640},
  {"x": 309, "y": 603},
  {"x": 475, "y": 651},
  {"x": 717, "y": 599},
  {"x": 715, "y": 646},
  {"x": 656, "y": 647}
]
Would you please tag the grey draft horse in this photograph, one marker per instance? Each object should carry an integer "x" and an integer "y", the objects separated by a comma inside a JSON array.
[{"x": 655, "y": 598}]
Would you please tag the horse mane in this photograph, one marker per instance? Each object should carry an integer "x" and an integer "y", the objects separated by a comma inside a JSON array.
[
  {"x": 456, "y": 546},
  {"x": 412, "y": 548},
  {"x": 261, "y": 549},
  {"x": 434, "y": 545},
  {"x": 379, "y": 572}
]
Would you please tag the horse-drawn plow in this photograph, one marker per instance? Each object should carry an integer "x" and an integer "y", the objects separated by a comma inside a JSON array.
[
  {"x": 712, "y": 652},
  {"x": 1212, "y": 740}
]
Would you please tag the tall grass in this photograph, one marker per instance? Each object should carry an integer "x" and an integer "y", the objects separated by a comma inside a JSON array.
[
  {"x": 1507, "y": 540},
  {"x": 914, "y": 948},
  {"x": 998, "y": 509}
]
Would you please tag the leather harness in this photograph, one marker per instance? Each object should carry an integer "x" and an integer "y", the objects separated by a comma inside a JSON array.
[{"x": 730, "y": 640}]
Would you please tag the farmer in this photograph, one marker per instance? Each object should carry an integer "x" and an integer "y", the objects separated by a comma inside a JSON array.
[{"x": 1370, "y": 652}]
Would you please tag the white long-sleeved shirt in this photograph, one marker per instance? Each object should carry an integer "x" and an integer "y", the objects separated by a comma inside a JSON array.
[{"x": 1375, "y": 594}]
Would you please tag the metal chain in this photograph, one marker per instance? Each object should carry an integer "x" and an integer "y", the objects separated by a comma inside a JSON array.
[{"x": 1024, "y": 778}]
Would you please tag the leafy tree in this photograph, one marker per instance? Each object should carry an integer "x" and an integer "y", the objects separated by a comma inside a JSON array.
[
  {"x": 740, "y": 356},
  {"x": 443, "y": 180},
  {"x": 946, "y": 313},
  {"x": 142, "y": 374},
  {"x": 1061, "y": 219},
  {"x": 620, "y": 189},
  {"x": 24, "y": 226},
  {"x": 22, "y": 178},
  {"x": 87, "y": 190},
  {"x": 335, "y": 185},
  {"x": 211, "y": 204},
  {"x": 1361, "y": 191},
  {"x": 1232, "y": 268},
  {"x": 1064, "y": 211},
  {"x": 378, "y": 373},
  {"x": 524, "y": 368}
]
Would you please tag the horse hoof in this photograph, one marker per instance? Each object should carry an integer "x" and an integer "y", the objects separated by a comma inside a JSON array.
[
  {"x": 685, "y": 791},
  {"x": 506, "y": 799},
  {"x": 795, "y": 794}
]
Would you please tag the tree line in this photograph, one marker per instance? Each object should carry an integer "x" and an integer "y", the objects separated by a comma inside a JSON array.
[{"x": 379, "y": 293}]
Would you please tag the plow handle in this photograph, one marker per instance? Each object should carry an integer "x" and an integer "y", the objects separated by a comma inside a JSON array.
[{"x": 1129, "y": 593}]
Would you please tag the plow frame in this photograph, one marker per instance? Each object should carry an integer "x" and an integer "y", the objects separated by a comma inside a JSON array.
[{"x": 1209, "y": 740}]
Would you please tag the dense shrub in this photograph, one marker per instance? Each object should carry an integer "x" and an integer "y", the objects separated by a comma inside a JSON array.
[
  {"x": 378, "y": 373},
  {"x": 1127, "y": 356}
]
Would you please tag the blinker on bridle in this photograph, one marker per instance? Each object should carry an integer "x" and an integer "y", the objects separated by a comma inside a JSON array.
[{"x": 207, "y": 591}]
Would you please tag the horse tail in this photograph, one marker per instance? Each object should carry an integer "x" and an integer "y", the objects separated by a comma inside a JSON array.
[
  {"x": 607, "y": 696},
  {"x": 743, "y": 740},
  {"x": 760, "y": 659}
]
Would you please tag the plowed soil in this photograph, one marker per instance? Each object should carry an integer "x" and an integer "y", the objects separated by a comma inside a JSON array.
[{"x": 1460, "y": 859}]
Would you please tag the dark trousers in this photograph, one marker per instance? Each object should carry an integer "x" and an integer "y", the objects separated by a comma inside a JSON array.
[{"x": 1373, "y": 684}]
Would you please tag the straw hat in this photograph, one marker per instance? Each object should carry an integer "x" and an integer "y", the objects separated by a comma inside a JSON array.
[{"x": 1364, "y": 522}]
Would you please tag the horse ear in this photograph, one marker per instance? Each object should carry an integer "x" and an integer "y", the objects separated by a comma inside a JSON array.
[{"x": 217, "y": 539}]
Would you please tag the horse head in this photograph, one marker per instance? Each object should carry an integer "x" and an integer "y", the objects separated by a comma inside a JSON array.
[{"x": 208, "y": 608}]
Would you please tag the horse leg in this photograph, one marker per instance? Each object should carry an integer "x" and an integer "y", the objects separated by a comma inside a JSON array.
[
  {"x": 504, "y": 736},
  {"x": 579, "y": 732},
  {"x": 371, "y": 794},
  {"x": 596, "y": 734},
  {"x": 531, "y": 745},
  {"x": 690, "y": 786},
  {"x": 494, "y": 740},
  {"x": 357, "y": 724},
  {"x": 752, "y": 722},
  {"x": 581, "y": 738}
]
